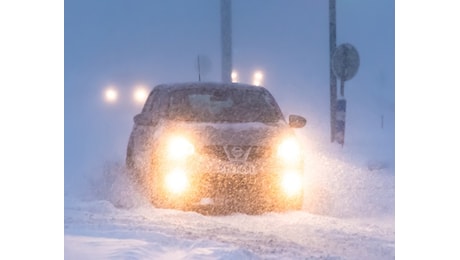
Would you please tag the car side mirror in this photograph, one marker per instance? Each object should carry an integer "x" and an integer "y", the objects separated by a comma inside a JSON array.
[
  {"x": 143, "y": 119},
  {"x": 296, "y": 121}
]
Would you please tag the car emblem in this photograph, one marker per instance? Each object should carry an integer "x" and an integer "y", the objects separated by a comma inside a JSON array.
[{"x": 237, "y": 152}]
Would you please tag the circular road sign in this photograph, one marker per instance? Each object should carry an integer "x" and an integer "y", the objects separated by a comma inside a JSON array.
[{"x": 345, "y": 61}]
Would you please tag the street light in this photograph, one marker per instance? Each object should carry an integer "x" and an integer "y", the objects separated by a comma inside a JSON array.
[
  {"x": 111, "y": 94},
  {"x": 234, "y": 76},
  {"x": 257, "y": 78},
  {"x": 140, "y": 94}
]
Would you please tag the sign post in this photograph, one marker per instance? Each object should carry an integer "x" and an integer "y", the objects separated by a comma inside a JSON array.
[
  {"x": 345, "y": 64},
  {"x": 340, "y": 121}
]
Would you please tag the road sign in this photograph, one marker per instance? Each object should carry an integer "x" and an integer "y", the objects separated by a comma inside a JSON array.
[{"x": 345, "y": 61}]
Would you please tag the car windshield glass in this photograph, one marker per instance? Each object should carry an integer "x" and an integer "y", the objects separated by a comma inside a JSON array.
[{"x": 223, "y": 105}]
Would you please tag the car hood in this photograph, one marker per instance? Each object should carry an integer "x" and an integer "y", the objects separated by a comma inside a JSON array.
[{"x": 253, "y": 133}]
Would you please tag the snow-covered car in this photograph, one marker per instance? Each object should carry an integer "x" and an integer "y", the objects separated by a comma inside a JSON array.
[{"x": 216, "y": 146}]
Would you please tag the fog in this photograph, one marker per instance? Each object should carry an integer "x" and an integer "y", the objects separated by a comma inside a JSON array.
[
  {"x": 121, "y": 44},
  {"x": 349, "y": 194}
]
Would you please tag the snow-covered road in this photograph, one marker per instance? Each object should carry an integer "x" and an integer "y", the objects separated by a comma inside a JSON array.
[
  {"x": 97, "y": 230},
  {"x": 348, "y": 214}
]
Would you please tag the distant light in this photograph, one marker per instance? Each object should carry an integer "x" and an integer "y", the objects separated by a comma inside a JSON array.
[
  {"x": 234, "y": 76},
  {"x": 257, "y": 78},
  {"x": 140, "y": 94},
  {"x": 258, "y": 75},
  {"x": 111, "y": 95}
]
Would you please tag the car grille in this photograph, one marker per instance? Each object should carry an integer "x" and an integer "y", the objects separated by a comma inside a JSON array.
[
  {"x": 236, "y": 153},
  {"x": 230, "y": 185}
]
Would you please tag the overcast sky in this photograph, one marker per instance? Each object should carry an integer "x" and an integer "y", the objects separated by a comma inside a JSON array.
[{"x": 126, "y": 43}]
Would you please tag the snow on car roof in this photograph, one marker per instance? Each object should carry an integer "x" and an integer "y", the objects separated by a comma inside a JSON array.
[{"x": 195, "y": 85}]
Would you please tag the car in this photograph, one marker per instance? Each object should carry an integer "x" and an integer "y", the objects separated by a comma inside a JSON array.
[{"x": 213, "y": 146}]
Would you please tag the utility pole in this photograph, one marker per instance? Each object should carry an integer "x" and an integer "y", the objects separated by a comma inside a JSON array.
[
  {"x": 333, "y": 79},
  {"x": 226, "y": 39}
]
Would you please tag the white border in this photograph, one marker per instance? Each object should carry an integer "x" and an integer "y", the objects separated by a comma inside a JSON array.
[
  {"x": 427, "y": 142},
  {"x": 32, "y": 131}
]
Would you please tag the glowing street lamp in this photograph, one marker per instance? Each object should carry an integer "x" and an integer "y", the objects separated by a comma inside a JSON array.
[
  {"x": 140, "y": 94},
  {"x": 234, "y": 76},
  {"x": 257, "y": 78},
  {"x": 110, "y": 95}
]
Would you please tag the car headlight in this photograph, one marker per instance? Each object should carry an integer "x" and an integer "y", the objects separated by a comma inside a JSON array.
[
  {"x": 291, "y": 183},
  {"x": 176, "y": 181},
  {"x": 180, "y": 148},
  {"x": 289, "y": 150}
]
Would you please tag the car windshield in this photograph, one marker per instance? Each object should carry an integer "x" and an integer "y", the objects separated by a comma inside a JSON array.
[{"x": 223, "y": 105}]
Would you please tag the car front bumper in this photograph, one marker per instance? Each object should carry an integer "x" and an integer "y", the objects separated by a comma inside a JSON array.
[{"x": 203, "y": 182}]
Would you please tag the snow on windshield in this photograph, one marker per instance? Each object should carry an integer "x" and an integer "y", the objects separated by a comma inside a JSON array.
[{"x": 223, "y": 105}]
